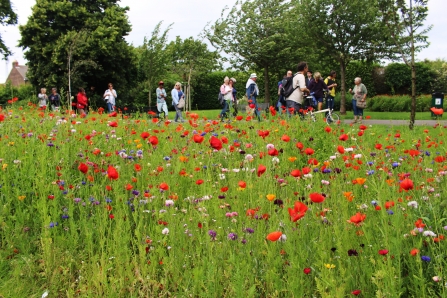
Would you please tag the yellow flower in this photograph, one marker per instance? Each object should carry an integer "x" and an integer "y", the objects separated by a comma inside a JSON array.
[
  {"x": 292, "y": 158},
  {"x": 329, "y": 266},
  {"x": 21, "y": 198},
  {"x": 139, "y": 146},
  {"x": 11, "y": 143},
  {"x": 4, "y": 166},
  {"x": 136, "y": 141},
  {"x": 271, "y": 197}
]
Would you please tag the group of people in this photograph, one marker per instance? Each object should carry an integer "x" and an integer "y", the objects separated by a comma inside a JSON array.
[
  {"x": 305, "y": 83},
  {"x": 177, "y": 96},
  {"x": 81, "y": 102}
]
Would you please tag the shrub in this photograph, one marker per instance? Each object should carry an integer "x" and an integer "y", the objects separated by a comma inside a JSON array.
[{"x": 398, "y": 103}]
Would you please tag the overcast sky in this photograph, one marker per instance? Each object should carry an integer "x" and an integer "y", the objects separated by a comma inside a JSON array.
[{"x": 190, "y": 17}]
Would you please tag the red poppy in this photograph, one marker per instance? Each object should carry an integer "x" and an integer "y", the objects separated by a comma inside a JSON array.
[
  {"x": 440, "y": 158},
  {"x": 200, "y": 181},
  {"x": 113, "y": 124},
  {"x": 358, "y": 218},
  {"x": 383, "y": 252},
  {"x": 356, "y": 292},
  {"x": 273, "y": 152},
  {"x": 113, "y": 114},
  {"x": 263, "y": 133},
  {"x": 419, "y": 223},
  {"x": 112, "y": 173},
  {"x": 129, "y": 186},
  {"x": 153, "y": 140},
  {"x": 137, "y": 167},
  {"x": 437, "y": 111},
  {"x": 285, "y": 138},
  {"x": 309, "y": 151},
  {"x": 378, "y": 146},
  {"x": 272, "y": 111},
  {"x": 2, "y": 117},
  {"x": 242, "y": 184},
  {"x": 316, "y": 197},
  {"x": 261, "y": 170},
  {"x": 299, "y": 145},
  {"x": 83, "y": 167},
  {"x": 215, "y": 143},
  {"x": 406, "y": 184},
  {"x": 295, "y": 173},
  {"x": 341, "y": 149},
  {"x": 274, "y": 236},
  {"x": 389, "y": 204},
  {"x": 163, "y": 186},
  {"x": 198, "y": 139},
  {"x": 307, "y": 270},
  {"x": 306, "y": 170},
  {"x": 145, "y": 135},
  {"x": 224, "y": 189},
  {"x": 343, "y": 137},
  {"x": 298, "y": 211},
  {"x": 328, "y": 129},
  {"x": 239, "y": 118}
]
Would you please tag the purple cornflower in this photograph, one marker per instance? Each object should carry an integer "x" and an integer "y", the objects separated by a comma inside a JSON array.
[
  {"x": 249, "y": 230},
  {"x": 232, "y": 236},
  {"x": 212, "y": 233},
  {"x": 77, "y": 200}
]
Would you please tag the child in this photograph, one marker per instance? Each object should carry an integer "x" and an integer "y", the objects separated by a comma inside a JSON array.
[{"x": 43, "y": 99}]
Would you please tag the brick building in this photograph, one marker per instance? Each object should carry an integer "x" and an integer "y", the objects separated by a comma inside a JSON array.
[{"x": 17, "y": 76}]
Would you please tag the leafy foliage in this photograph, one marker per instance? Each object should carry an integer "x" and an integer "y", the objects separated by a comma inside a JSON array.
[
  {"x": 384, "y": 103},
  {"x": 7, "y": 17},
  {"x": 348, "y": 30},
  {"x": 398, "y": 78},
  {"x": 258, "y": 35},
  {"x": 89, "y": 33}
]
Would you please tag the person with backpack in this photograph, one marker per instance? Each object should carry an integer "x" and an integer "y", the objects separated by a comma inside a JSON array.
[
  {"x": 281, "y": 100},
  {"x": 252, "y": 92},
  {"x": 294, "y": 92},
  {"x": 227, "y": 91},
  {"x": 330, "y": 83}
]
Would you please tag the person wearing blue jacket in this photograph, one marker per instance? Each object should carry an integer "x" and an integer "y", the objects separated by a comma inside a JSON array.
[
  {"x": 177, "y": 94},
  {"x": 252, "y": 92}
]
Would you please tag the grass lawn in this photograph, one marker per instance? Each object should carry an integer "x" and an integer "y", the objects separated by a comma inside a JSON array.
[{"x": 212, "y": 114}]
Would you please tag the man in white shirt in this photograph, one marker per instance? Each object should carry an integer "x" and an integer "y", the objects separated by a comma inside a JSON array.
[{"x": 295, "y": 100}]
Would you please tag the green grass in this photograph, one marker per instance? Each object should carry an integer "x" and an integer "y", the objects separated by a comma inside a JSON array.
[
  {"x": 78, "y": 234},
  {"x": 213, "y": 114}
]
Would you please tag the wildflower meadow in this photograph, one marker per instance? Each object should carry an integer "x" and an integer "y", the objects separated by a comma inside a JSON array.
[{"x": 120, "y": 206}]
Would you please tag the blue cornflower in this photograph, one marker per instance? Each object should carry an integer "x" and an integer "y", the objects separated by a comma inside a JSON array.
[
  {"x": 425, "y": 258},
  {"x": 65, "y": 216},
  {"x": 390, "y": 212}
]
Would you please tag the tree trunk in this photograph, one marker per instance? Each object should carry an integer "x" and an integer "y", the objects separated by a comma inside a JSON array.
[
  {"x": 150, "y": 99},
  {"x": 188, "y": 106},
  {"x": 343, "y": 87},
  {"x": 413, "y": 71},
  {"x": 266, "y": 85}
]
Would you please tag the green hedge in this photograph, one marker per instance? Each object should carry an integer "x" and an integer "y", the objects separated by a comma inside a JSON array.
[
  {"x": 24, "y": 92},
  {"x": 398, "y": 103}
]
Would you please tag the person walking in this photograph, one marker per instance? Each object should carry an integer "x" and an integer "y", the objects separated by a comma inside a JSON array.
[
  {"x": 162, "y": 107},
  {"x": 81, "y": 101},
  {"x": 252, "y": 92},
  {"x": 295, "y": 100},
  {"x": 234, "y": 93},
  {"x": 359, "y": 94},
  {"x": 330, "y": 83},
  {"x": 55, "y": 99},
  {"x": 177, "y": 94},
  {"x": 110, "y": 98},
  {"x": 227, "y": 91},
  {"x": 317, "y": 87},
  {"x": 43, "y": 97}
]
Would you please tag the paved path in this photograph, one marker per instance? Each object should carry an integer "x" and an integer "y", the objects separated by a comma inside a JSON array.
[{"x": 400, "y": 122}]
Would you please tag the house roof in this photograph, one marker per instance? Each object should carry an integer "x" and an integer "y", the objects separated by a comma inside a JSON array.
[{"x": 23, "y": 69}]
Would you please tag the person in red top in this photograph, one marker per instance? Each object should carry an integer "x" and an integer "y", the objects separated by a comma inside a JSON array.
[{"x": 81, "y": 101}]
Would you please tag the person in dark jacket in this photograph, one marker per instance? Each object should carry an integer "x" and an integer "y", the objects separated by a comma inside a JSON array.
[
  {"x": 317, "y": 87},
  {"x": 252, "y": 92}
]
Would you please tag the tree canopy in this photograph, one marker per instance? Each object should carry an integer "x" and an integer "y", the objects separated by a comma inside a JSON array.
[
  {"x": 89, "y": 34},
  {"x": 7, "y": 17}
]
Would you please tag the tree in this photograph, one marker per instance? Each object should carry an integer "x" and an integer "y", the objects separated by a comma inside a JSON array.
[
  {"x": 82, "y": 38},
  {"x": 405, "y": 23},
  {"x": 346, "y": 30},
  {"x": 189, "y": 58},
  {"x": 7, "y": 17},
  {"x": 258, "y": 34},
  {"x": 153, "y": 58}
]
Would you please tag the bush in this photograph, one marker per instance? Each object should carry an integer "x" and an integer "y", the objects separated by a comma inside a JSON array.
[
  {"x": 24, "y": 92},
  {"x": 398, "y": 78},
  {"x": 400, "y": 103}
]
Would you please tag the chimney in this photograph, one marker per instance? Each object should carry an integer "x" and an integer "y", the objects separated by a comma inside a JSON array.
[{"x": 15, "y": 63}]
